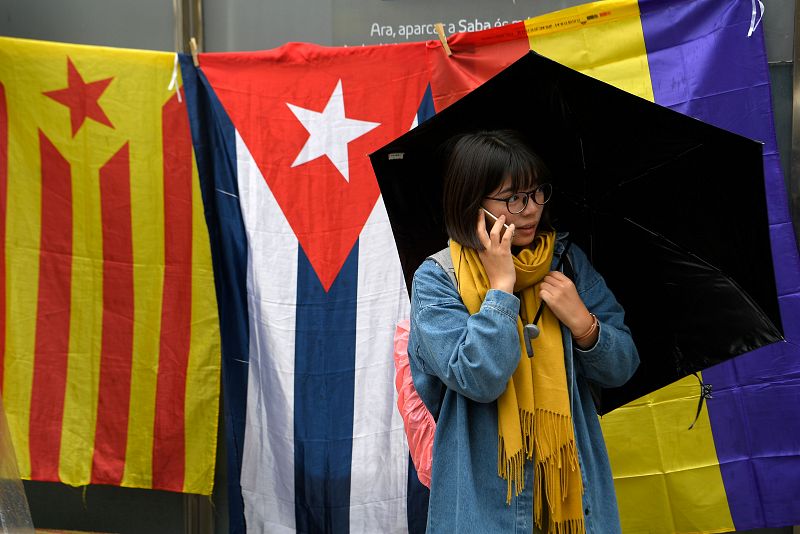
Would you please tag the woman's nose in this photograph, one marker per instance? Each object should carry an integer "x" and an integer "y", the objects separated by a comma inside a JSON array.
[{"x": 531, "y": 207}]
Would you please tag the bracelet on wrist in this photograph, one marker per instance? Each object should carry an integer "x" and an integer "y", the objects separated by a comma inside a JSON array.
[{"x": 590, "y": 331}]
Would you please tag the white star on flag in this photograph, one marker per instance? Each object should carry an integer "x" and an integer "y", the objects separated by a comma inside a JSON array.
[{"x": 329, "y": 132}]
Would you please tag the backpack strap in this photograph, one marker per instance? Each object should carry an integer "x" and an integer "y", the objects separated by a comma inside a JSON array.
[
  {"x": 567, "y": 267},
  {"x": 444, "y": 260}
]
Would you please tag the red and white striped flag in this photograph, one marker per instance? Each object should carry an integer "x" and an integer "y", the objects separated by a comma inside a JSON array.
[{"x": 109, "y": 338}]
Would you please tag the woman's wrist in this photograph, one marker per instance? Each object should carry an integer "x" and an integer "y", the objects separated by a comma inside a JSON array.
[
  {"x": 588, "y": 336},
  {"x": 503, "y": 284},
  {"x": 580, "y": 326}
]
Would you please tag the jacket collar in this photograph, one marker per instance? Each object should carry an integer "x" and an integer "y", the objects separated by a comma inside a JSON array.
[{"x": 561, "y": 243}]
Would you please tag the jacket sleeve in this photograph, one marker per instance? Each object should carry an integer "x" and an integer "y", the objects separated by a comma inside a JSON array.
[
  {"x": 473, "y": 355},
  {"x": 613, "y": 359}
]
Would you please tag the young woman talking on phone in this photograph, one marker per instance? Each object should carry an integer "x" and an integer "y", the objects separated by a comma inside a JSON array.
[{"x": 518, "y": 446}]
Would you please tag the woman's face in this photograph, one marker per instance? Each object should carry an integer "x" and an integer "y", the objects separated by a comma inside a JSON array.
[{"x": 525, "y": 222}]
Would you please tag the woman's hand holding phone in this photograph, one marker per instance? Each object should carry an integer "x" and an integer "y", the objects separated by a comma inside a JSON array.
[{"x": 496, "y": 254}]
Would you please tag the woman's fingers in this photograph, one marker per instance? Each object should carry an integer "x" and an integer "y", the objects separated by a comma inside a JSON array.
[
  {"x": 508, "y": 236},
  {"x": 555, "y": 277},
  {"x": 497, "y": 229},
  {"x": 556, "y": 280},
  {"x": 490, "y": 236},
  {"x": 483, "y": 235},
  {"x": 496, "y": 255},
  {"x": 552, "y": 289}
]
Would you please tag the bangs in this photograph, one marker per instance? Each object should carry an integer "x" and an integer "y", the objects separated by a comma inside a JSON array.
[
  {"x": 505, "y": 155},
  {"x": 525, "y": 170}
]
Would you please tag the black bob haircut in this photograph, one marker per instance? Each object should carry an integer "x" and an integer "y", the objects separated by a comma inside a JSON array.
[{"x": 479, "y": 163}]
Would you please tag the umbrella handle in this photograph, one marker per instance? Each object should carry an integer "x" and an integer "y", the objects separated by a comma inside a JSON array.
[
  {"x": 529, "y": 332},
  {"x": 705, "y": 393}
]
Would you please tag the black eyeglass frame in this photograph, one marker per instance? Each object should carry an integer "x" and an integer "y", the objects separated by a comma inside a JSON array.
[{"x": 546, "y": 188}]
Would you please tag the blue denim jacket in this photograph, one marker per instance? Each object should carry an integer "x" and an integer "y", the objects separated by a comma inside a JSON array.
[{"x": 474, "y": 356}]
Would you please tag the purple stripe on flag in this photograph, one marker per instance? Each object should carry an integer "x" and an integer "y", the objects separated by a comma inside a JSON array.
[{"x": 703, "y": 64}]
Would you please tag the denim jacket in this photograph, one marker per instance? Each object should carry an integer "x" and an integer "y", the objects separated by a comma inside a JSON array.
[{"x": 473, "y": 357}]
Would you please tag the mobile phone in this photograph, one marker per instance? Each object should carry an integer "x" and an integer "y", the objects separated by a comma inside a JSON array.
[{"x": 490, "y": 220}]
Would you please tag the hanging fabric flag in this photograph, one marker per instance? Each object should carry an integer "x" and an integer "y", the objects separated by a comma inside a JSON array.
[
  {"x": 733, "y": 469},
  {"x": 308, "y": 278},
  {"x": 109, "y": 337}
]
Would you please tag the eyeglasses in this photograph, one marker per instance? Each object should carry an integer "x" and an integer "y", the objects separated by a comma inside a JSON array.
[{"x": 517, "y": 202}]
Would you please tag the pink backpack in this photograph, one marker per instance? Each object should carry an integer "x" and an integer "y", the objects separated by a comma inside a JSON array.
[
  {"x": 417, "y": 420},
  {"x": 419, "y": 424}
]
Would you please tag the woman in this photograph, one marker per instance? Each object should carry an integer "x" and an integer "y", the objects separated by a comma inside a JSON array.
[{"x": 518, "y": 445}]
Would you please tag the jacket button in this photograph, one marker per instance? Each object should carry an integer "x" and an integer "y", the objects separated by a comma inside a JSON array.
[{"x": 586, "y": 511}]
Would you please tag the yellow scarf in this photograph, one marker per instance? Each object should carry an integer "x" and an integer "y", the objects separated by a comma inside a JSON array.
[{"x": 533, "y": 413}]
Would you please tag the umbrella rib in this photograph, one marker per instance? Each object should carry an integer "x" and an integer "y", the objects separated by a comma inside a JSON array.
[
  {"x": 582, "y": 201},
  {"x": 652, "y": 169},
  {"x": 733, "y": 282}
]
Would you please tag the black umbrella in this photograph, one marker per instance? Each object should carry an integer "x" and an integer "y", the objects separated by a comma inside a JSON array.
[{"x": 670, "y": 210}]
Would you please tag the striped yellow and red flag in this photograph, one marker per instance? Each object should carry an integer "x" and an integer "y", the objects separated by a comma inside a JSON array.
[{"x": 109, "y": 334}]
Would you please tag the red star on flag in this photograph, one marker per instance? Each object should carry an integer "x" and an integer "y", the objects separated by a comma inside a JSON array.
[{"x": 81, "y": 98}]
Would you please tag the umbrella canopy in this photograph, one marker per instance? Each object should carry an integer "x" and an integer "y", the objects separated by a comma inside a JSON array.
[{"x": 670, "y": 210}]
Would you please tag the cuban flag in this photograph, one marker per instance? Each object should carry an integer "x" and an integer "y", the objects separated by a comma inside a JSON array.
[{"x": 309, "y": 283}]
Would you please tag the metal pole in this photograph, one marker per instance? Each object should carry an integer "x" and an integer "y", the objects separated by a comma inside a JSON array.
[
  {"x": 198, "y": 514},
  {"x": 188, "y": 17},
  {"x": 177, "y": 19},
  {"x": 794, "y": 164},
  {"x": 197, "y": 24}
]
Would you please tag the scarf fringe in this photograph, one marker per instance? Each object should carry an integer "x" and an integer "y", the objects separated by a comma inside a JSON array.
[
  {"x": 570, "y": 526},
  {"x": 512, "y": 468},
  {"x": 555, "y": 456}
]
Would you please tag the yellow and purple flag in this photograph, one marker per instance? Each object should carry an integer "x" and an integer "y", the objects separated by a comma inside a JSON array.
[
  {"x": 739, "y": 466},
  {"x": 109, "y": 334}
]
